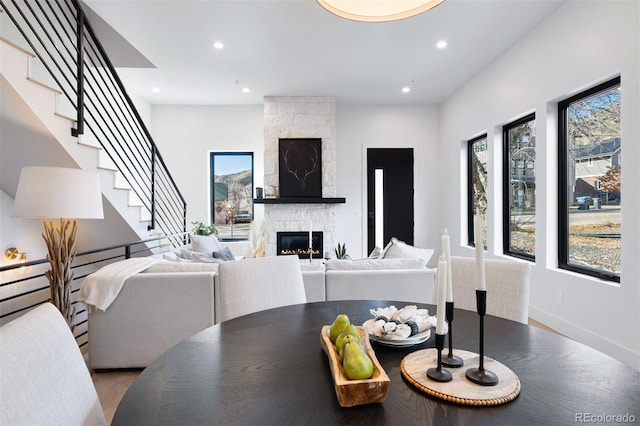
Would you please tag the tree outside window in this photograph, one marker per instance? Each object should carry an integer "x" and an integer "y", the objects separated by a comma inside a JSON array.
[
  {"x": 519, "y": 188},
  {"x": 231, "y": 175},
  {"x": 590, "y": 204},
  {"x": 477, "y": 185}
]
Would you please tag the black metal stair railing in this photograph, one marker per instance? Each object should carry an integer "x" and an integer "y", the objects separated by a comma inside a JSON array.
[{"x": 61, "y": 37}]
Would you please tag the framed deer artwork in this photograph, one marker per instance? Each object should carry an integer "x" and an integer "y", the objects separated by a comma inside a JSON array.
[{"x": 300, "y": 168}]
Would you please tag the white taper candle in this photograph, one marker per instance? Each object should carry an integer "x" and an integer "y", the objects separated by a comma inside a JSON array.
[
  {"x": 446, "y": 250},
  {"x": 442, "y": 282}
]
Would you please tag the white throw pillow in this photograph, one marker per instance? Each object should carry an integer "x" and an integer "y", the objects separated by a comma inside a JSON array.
[
  {"x": 399, "y": 249},
  {"x": 205, "y": 243},
  {"x": 375, "y": 253}
]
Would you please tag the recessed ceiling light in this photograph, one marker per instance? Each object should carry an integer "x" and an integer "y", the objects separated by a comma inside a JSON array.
[
  {"x": 246, "y": 90},
  {"x": 218, "y": 45},
  {"x": 441, "y": 44},
  {"x": 406, "y": 89},
  {"x": 155, "y": 89}
]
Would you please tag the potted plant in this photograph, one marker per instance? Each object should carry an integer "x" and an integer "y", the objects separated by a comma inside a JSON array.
[
  {"x": 341, "y": 251},
  {"x": 200, "y": 228}
]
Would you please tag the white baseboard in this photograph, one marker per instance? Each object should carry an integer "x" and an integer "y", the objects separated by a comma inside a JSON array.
[{"x": 623, "y": 354}]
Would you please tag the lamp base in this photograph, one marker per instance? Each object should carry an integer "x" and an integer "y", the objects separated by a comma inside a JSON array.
[{"x": 61, "y": 252}]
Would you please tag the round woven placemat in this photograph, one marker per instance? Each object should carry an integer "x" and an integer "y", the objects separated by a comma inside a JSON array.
[{"x": 460, "y": 390}]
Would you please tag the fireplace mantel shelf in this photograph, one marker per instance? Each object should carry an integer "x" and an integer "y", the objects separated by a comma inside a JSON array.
[{"x": 299, "y": 200}]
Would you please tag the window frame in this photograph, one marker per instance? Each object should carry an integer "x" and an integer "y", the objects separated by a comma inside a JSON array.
[
  {"x": 506, "y": 189},
  {"x": 563, "y": 216},
  {"x": 212, "y": 155},
  {"x": 470, "y": 194}
]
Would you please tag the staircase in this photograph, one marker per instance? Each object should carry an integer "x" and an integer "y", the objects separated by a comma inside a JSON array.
[
  {"x": 46, "y": 103},
  {"x": 50, "y": 56}
]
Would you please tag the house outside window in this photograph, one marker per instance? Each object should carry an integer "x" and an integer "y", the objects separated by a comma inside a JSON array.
[
  {"x": 590, "y": 195},
  {"x": 519, "y": 188},
  {"x": 477, "y": 185},
  {"x": 231, "y": 178}
]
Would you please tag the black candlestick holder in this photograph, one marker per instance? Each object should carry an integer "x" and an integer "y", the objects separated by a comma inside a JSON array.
[
  {"x": 451, "y": 360},
  {"x": 479, "y": 375},
  {"x": 438, "y": 373}
]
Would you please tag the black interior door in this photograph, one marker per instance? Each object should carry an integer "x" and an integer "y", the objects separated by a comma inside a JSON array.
[{"x": 396, "y": 167}]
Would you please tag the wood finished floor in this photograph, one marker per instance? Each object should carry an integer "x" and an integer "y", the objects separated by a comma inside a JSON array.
[{"x": 112, "y": 385}]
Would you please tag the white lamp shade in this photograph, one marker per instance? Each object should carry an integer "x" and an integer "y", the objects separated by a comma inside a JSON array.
[
  {"x": 377, "y": 10},
  {"x": 55, "y": 192}
]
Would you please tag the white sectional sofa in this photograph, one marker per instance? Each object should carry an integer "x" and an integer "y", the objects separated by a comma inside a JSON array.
[
  {"x": 379, "y": 279},
  {"x": 153, "y": 312},
  {"x": 173, "y": 300}
]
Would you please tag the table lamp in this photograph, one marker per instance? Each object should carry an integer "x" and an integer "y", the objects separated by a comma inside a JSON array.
[{"x": 67, "y": 194}]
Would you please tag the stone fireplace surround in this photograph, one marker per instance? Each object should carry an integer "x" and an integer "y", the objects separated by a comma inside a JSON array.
[{"x": 300, "y": 117}]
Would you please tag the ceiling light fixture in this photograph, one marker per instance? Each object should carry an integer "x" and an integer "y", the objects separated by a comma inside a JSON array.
[
  {"x": 406, "y": 89},
  {"x": 218, "y": 45},
  {"x": 441, "y": 44},
  {"x": 246, "y": 90},
  {"x": 377, "y": 10},
  {"x": 155, "y": 90}
]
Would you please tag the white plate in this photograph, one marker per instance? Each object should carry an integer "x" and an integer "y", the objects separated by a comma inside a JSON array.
[{"x": 397, "y": 343}]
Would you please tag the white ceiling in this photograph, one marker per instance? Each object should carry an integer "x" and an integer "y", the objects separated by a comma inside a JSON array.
[{"x": 296, "y": 48}]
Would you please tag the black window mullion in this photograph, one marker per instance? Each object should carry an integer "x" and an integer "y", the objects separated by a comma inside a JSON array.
[
  {"x": 507, "y": 189},
  {"x": 471, "y": 158},
  {"x": 563, "y": 182}
]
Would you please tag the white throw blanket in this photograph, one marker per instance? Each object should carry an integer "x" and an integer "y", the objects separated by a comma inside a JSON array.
[{"x": 100, "y": 289}]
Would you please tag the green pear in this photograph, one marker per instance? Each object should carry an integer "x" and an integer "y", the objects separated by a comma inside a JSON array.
[
  {"x": 341, "y": 341},
  {"x": 353, "y": 331},
  {"x": 338, "y": 324},
  {"x": 356, "y": 363}
]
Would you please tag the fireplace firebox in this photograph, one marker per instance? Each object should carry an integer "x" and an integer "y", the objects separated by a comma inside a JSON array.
[{"x": 298, "y": 243}]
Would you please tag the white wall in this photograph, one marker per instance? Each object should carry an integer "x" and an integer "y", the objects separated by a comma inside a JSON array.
[
  {"x": 385, "y": 126},
  {"x": 583, "y": 43},
  {"x": 186, "y": 134}
]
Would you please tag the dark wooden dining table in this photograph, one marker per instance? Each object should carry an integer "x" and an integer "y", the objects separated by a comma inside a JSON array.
[{"x": 268, "y": 368}]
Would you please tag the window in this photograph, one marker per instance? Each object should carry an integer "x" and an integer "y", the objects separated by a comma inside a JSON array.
[
  {"x": 232, "y": 194},
  {"x": 519, "y": 188},
  {"x": 477, "y": 184},
  {"x": 590, "y": 207}
]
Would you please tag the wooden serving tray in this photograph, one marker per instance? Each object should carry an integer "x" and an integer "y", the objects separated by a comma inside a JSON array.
[
  {"x": 460, "y": 390},
  {"x": 355, "y": 392}
]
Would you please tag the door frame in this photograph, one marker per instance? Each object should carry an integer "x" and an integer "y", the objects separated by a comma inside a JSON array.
[{"x": 364, "y": 207}]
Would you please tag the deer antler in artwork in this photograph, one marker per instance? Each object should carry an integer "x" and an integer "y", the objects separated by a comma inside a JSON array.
[{"x": 313, "y": 156}]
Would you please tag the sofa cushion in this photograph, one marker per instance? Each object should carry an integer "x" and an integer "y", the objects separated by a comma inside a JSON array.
[
  {"x": 312, "y": 266},
  {"x": 169, "y": 266},
  {"x": 205, "y": 258},
  {"x": 399, "y": 249},
  {"x": 205, "y": 243},
  {"x": 373, "y": 264},
  {"x": 223, "y": 254}
]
